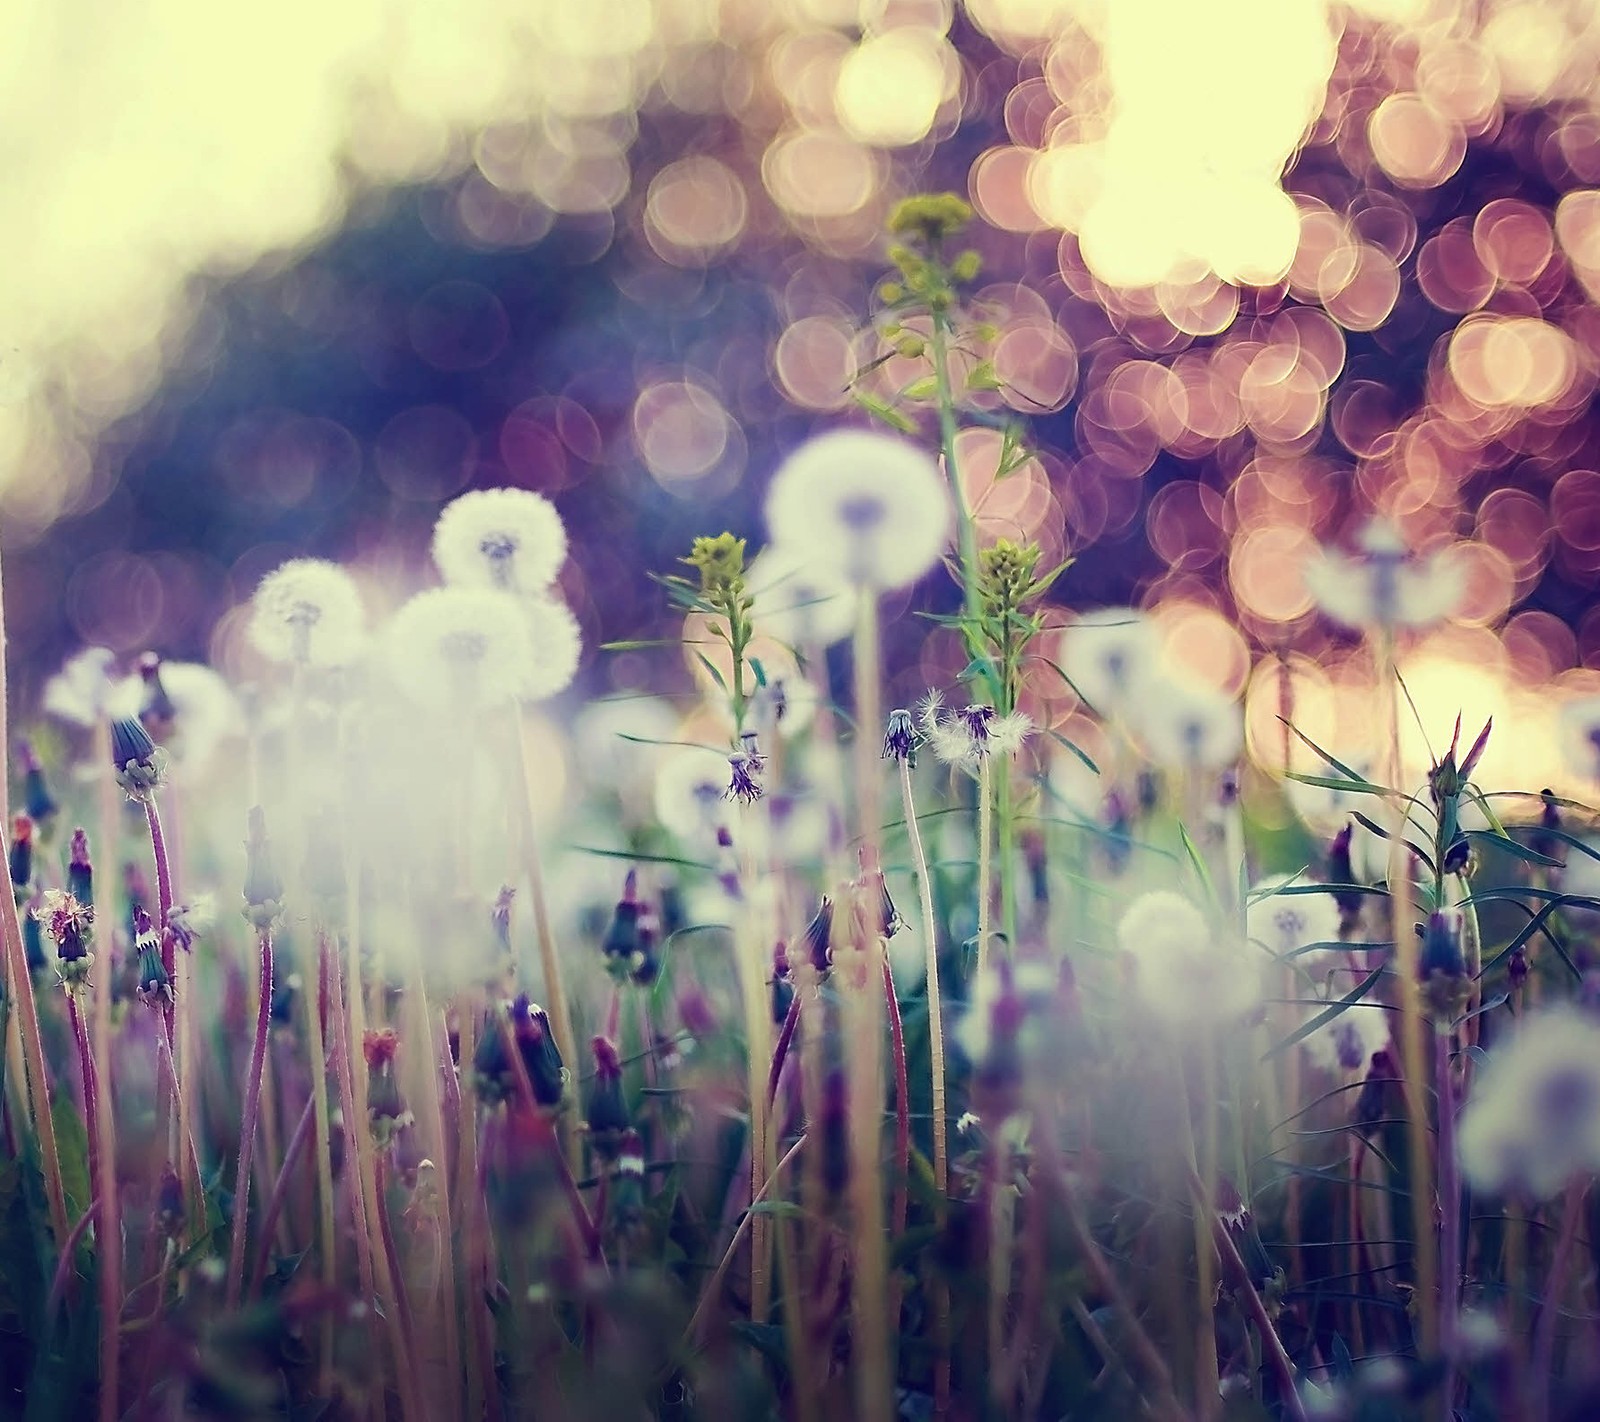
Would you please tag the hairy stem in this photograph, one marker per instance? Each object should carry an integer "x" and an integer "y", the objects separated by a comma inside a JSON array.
[{"x": 103, "y": 1172}]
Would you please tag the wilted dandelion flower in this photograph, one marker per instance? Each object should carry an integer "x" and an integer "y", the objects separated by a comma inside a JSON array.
[
  {"x": 197, "y": 704},
  {"x": 868, "y": 507},
  {"x": 798, "y": 600},
  {"x": 511, "y": 539},
  {"x": 1534, "y": 1121},
  {"x": 967, "y": 736},
  {"x": 1189, "y": 728},
  {"x": 81, "y": 691},
  {"x": 308, "y": 611},
  {"x": 466, "y": 649},
  {"x": 1182, "y": 970},
  {"x": 1108, "y": 655},
  {"x": 1384, "y": 587}
]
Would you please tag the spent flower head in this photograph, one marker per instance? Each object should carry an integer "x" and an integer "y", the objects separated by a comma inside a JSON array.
[
  {"x": 510, "y": 539},
  {"x": 69, "y": 925},
  {"x": 308, "y": 612},
  {"x": 868, "y": 507}
]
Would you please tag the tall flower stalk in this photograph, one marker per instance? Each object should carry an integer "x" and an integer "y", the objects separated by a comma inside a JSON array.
[{"x": 263, "y": 897}]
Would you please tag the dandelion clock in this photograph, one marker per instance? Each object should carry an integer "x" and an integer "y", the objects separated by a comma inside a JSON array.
[{"x": 866, "y": 506}]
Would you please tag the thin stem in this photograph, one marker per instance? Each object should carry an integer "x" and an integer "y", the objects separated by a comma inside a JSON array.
[
  {"x": 1544, "y": 1333},
  {"x": 1449, "y": 1216},
  {"x": 966, "y": 532},
  {"x": 870, "y": 1344},
  {"x": 316, "y": 1017},
  {"x": 247, "y": 1131},
  {"x": 930, "y": 935},
  {"x": 985, "y": 868},
  {"x": 71, "y": 1240},
  {"x": 408, "y": 1362},
  {"x": 1007, "y": 830},
  {"x": 780, "y": 1053},
  {"x": 280, "y": 1195},
  {"x": 902, "y": 1104},
  {"x": 103, "y": 1172},
  {"x": 691, "y": 1334},
  {"x": 549, "y": 955}
]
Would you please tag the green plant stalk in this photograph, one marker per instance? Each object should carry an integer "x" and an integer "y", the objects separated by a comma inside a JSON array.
[
  {"x": 252, "y": 1110},
  {"x": 106, "y": 851},
  {"x": 1407, "y": 957},
  {"x": 1449, "y": 1216},
  {"x": 966, "y": 532},
  {"x": 21, "y": 990},
  {"x": 870, "y": 1345},
  {"x": 941, "y": 1153},
  {"x": 758, "y": 1061}
]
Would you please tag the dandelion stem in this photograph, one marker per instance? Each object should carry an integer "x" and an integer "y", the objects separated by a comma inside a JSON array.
[
  {"x": 985, "y": 867},
  {"x": 280, "y": 1196},
  {"x": 1544, "y": 1331},
  {"x": 870, "y": 1343},
  {"x": 902, "y": 1104},
  {"x": 316, "y": 1020},
  {"x": 247, "y": 1131},
  {"x": 103, "y": 1172},
  {"x": 69, "y": 1249}
]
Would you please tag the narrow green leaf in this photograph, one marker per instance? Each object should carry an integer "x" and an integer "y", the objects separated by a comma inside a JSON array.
[
  {"x": 1322, "y": 1019},
  {"x": 1510, "y": 846}
]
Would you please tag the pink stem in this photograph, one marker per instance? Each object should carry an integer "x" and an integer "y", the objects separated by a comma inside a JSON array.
[
  {"x": 780, "y": 1052},
  {"x": 280, "y": 1192},
  {"x": 247, "y": 1134},
  {"x": 58, "y": 1281},
  {"x": 1544, "y": 1336}
]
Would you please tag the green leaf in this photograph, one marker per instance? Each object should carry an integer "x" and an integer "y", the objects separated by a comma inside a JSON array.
[
  {"x": 1198, "y": 864},
  {"x": 1076, "y": 750},
  {"x": 1328, "y": 782},
  {"x": 890, "y": 416},
  {"x": 638, "y": 644},
  {"x": 924, "y": 388},
  {"x": 712, "y": 671},
  {"x": 1338, "y": 765},
  {"x": 1511, "y": 847},
  {"x": 72, "y": 1146},
  {"x": 1322, "y": 1019},
  {"x": 983, "y": 377}
]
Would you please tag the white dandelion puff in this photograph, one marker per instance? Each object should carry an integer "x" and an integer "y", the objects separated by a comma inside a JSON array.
[
  {"x": 966, "y": 737},
  {"x": 689, "y": 790},
  {"x": 308, "y": 611},
  {"x": 1580, "y": 736},
  {"x": 464, "y": 649},
  {"x": 1533, "y": 1122},
  {"x": 510, "y": 539},
  {"x": 1346, "y": 1043},
  {"x": 555, "y": 645},
  {"x": 868, "y": 507},
  {"x": 798, "y": 600},
  {"x": 81, "y": 691},
  {"x": 1286, "y": 925},
  {"x": 1189, "y": 728},
  {"x": 1384, "y": 587},
  {"x": 1108, "y": 655},
  {"x": 1182, "y": 970}
]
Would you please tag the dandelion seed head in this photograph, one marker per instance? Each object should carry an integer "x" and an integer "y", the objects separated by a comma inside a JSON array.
[
  {"x": 1285, "y": 924},
  {"x": 308, "y": 611},
  {"x": 1383, "y": 587},
  {"x": 1189, "y": 727},
  {"x": 1346, "y": 1043},
  {"x": 1533, "y": 1122},
  {"x": 1182, "y": 971},
  {"x": 798, "y": 600},
  {"x": 1108, "y": 655},
  {"x": 509, "y": 539},
  {"x": 81, "y": 691},
  {"x": 689, "y": 789},
  {"x": 555, "y": 644},
  {"x": 462, "y": 649},
  {"x": 867, "y": 507}
]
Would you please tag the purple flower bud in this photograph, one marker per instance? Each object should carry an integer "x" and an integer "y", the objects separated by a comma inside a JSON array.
[
  {"x": 819, "y": 938},
  {"x": 139, "y": 766},
  {"x": 606, "y": 1113},
  {"x": 36, "y": 797}
]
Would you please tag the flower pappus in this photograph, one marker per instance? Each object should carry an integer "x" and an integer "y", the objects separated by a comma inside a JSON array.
[
  {"x": 1108, "y": 655},
  {"x": 868, "y": 507},
  {"x": 309, "y": 612},
  {"x": 461, "y": 649},
  {"x": 1189, "y": 728},
  {"x": 511, "y": 539},
  {"x": 69, "y": 925},
  {"x": 1533, "y": 1123},
  {"x": 967, "y": 736},
  {"x": 1384, "y": 587},
  {"x": 1182, "y": 969}
]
